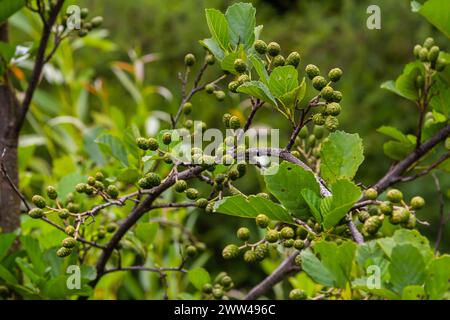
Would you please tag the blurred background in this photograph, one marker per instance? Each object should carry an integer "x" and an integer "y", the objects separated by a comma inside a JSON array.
[{"x": 128, "y": 73}]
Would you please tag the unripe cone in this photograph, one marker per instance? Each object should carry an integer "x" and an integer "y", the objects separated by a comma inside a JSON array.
[
  {"x": 287, "y": 233},
  {"x": 189, "y": 60},
  {"x": 318, "y": 119},
  {"x": 262, "y": 221},
  {"x": 293, "y": 59},
  {"x": 142, "y": 143},
  {"x": 386, "y": 208},
  {"x": 64, "y": 214},
  {"x": 39, "y": 201},
  {"x": 319, "y": 82},
  {"x": 201, "y": 203},
  {"x": 278, "y": 61},
  {"x": 187, "y": 108},
  {"x": 69, "y": 230},
  {"x": 417, "y": 203},
  {"x": 112, "y": 191},
  {"x": 243, "y": 233},
  {"x": 36, "y": 213},
  {"x": 240, "y": 66},
  {"x": 250, "y": 256},
  {"x": 433, "y": 54},
  {"x": 209, "y": 88},
  {"x": 312, "y": 71},
  {"x": 371, "y": 194},
  {"x": 153, "y": 144},
  {"x": 235, "y": 123},
  {"x": 335, "y": 74},
  {"x": 63, "y": 252},
  {"x": 272, "y": 236},
  {"x": 192, "y": 193},
  {"x": 327, "y": 93},
  {"x": 337, "y": 96},
  {"x": 51, "y": 193},
  {"x": 69, "y": 242},
  {"x": 230, "y": 251},
  {"x": 395, "y": 195},
  {"x": 180, "y": 186},
  {"x": 273, "y": 49},
  {"x": 299, "y": 244},
  {"x": 331, "y": 123},
  {"x": 97, "y": 22},
  {"x": 333, "y": 109},
  {"x": 372, "y": 224},
  {"x": 260, "y": 47},
  {"x": 363, "y": 216},
  {"x": 429, "y": 42},
  {"x": 220, "y": 95},
  {"x": 261, "y": 251},
  {"x": 191, "y": 251},
  {"x": 423, "y": 55},
  {"x": 297, "y": 294}
]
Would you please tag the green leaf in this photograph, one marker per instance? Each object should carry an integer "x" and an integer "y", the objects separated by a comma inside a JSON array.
[
  {"x": 405, "y": 84},
  {"x": 413, "y": 293},
  {"x": 313, "y": 201},
  {"x": 250, "y": 207},
  {"x": 437, "y": 283},
  {"x": 286, "y": 185},
  {"x": 146, "y": 232},
  {"x": 412, "y": 237},
  {"x": 288, "y": 99},
  {"x": 6, "y": 240},
  {"x": 6, "y": 275},
  {"x": 218, "y": 26},
  {"x": 258, "y": 90},
  {"x": 260, "y": 69},
  {"x": 397, "y": 150},
  {"x": 227, "y": 63},
  {"x": 341, "y": 155},
  {"x": 334, "y": 208},
  {"x": 241, "y": 23},
  {"x": 437, "y": 12},
  {"x": 315, "y": 268},
  {"x": 407, "y": 267},
  {"x": 199, "y": 277},
  {"x": 337, "y": 259},
  {"x": 283, "y": 80},
  {"x": 34, "y": 253},
  {"x": 214, "y": 48},
  {"x": 393, "y": 133},
  {"x": 9, "y": 7},
  {"x": 441, "y": 101},
  {"x": 67, "y": 184},
  {"x": 113, "y": 146}
]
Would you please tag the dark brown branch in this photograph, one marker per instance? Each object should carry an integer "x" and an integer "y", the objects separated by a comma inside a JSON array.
[
  {"x": 39, "y": 63},
  {"x": 427, "y": 170},
  {"x": 142, "y": 268},
  {"x": 394, "y": 175}
]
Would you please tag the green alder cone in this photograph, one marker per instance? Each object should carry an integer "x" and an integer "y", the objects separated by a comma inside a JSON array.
[
  {"x": 81, "y": 187},
  {"x": 262, "y": 221},
  {"x": 233, "y": 86},
  {"x": 142, "y": 143},
  {"x": 417, "y": 203},
  {"x": 189, "y": 60},
  {"x": 243, "y": 78},
  {"x": 411, "y": 223},
  {"x": 36, "y": 213},
  {"x": 433, "y": 54},
  {"x": 112, "y": 191},
  {"x": 337, "y": 96},
  {"x": 84, "y": 13},
  {"x": 201, "y": 203},
  {"x": 293, "y": 59},
  {"x": 240, "y": 66},
  {"x": 319, "y": 82},
  {"x": 261, "y": 251},
  {"x": 363, "y": 216},
  {"x": 167, "y": 138},
  {"x": 207, "y": 288},
  {"x": 64, "y": 214},
  {"x": 230, "y": 251},
  {"x": 319, "y": 132},
  {"x": 333, "y": 109},
  {"x": 243, "y": 233},
  {"x": 191, "y": 251},
  {"x": 278, "y": 61},
  {"x": 318, "y": 119},
  {"x": 187, "y": 108},
  {"x": 372, "y": 225},
  {"x": 39, "y": 201},
  {"x": 327, "y": 93},
  {"x": 250, "y": 256},
  {"x": 272, "y": 236},
  {"x": 260, "y": 47},
  {"x": 220, "y": 95},
  {"x": 416, "y": 50},
  {"x": 235, "y": 123},
  {"x": 423, "y": 55},
  {"x": 63, "y": 252},
  {"x": 69, "y": 242},
  {"x": 299, "y": 244},
  {"x": 386, "y": 208},
  {"x": 312, "y": 71},
  {"x": 297, "y": 294},
  {"x": 210, "y": 60},
  {"x": 51, "y": 193},
  {"x": 429, "y": 42},
  {"x": 153, "y": 144},
  {"x": 69, "y": 230},
  {"x": 210, "y": 88},
  {"x": 335, "y": 74},
  {"x": 288, "y": 243},
  {"x": 287, "y": 233},
  {"x": 371, "y": 194},
  {"x": 192, "y": 193},
  {"x": 273, "y": 49},
  {"x": 395, "y": 195},
  {"x": 180, "y": 186},
  {"x": 331, "y": 123},
  {"x": 298, "y": 260},
  {"x": 304, "y": 133}
]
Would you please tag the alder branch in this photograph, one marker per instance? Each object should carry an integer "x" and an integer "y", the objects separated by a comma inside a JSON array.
[
  {"x": 427, "y": 170},
  {"x": 39, "y": 63}
]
